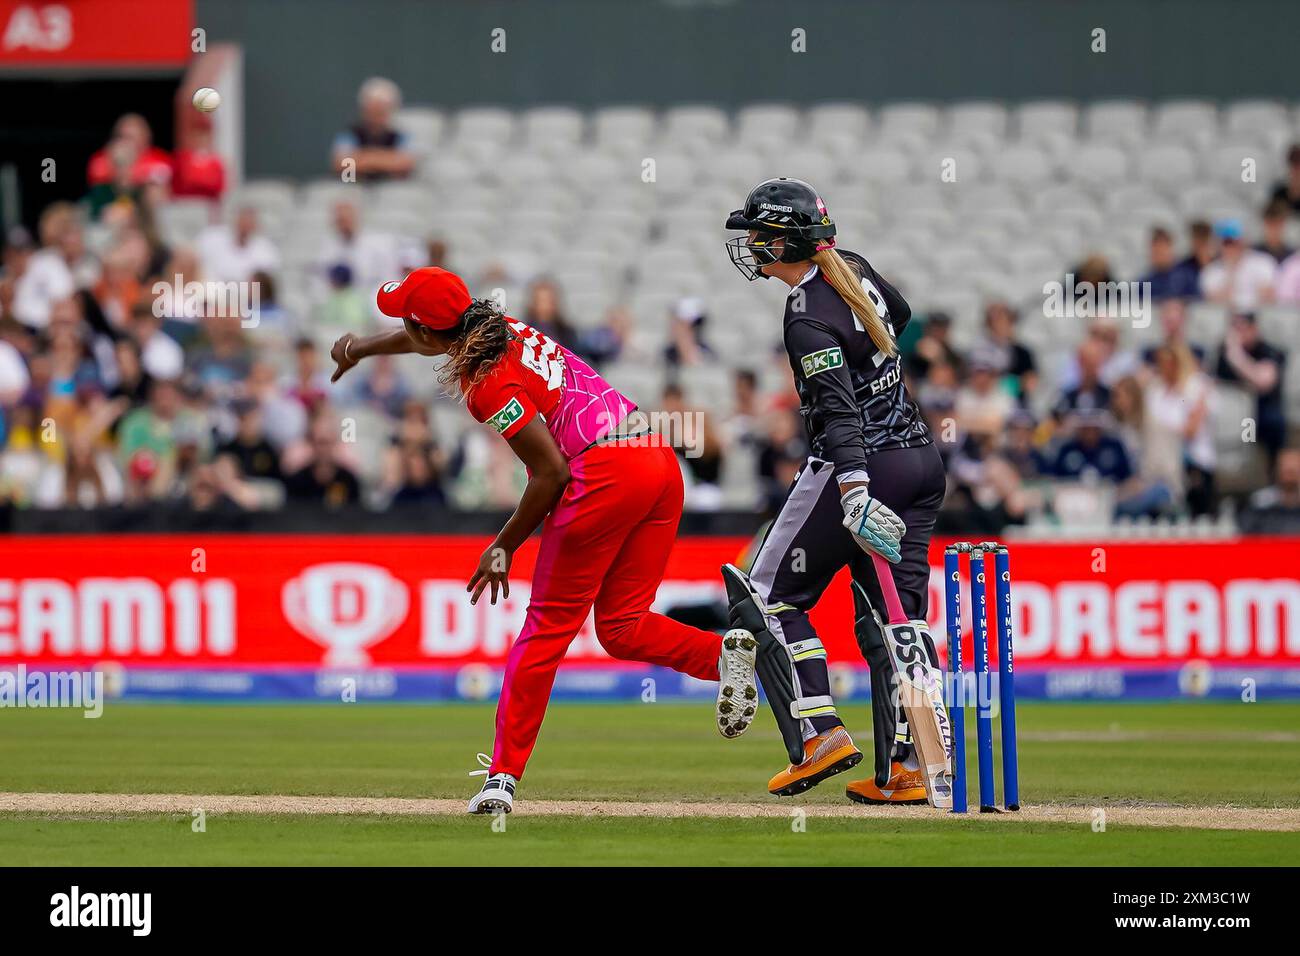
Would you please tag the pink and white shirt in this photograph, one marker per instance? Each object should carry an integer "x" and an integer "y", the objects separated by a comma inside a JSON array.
[{"x": 540, "y": 377}]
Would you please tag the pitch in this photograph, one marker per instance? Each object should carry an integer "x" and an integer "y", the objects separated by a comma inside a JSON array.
[{"x": 1104, "y": 784}]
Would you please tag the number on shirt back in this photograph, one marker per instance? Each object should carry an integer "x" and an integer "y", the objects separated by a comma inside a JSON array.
[
  {"x": 540, "y": 354},
  {"x": 882, "y": 310}
]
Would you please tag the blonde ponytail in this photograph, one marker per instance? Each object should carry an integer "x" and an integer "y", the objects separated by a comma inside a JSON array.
[{"x": 845, "y": 280}]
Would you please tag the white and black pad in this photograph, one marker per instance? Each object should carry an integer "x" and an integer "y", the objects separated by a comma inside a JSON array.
[
  {"x": 772, "y": 663},
  {"x": 804, "y": 549},
  {"x": 918, "y": 693}
]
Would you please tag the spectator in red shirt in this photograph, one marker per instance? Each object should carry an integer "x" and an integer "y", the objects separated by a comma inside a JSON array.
[
  {"x": 151, "y": 164},
  {"x": 199, "y": 171}
]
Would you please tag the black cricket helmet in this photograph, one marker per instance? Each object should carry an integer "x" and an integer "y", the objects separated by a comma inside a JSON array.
[{"x": 779, "y": 208}]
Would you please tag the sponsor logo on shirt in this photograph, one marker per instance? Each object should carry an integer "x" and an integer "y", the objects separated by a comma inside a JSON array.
[
  {"x": 510, "y": 414},
  {"x": 822, "y": 361},
  {"x": 887, "y": 380}
]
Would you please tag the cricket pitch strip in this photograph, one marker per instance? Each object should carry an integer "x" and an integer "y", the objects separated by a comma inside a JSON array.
[{"x": 1118, "y": 814}]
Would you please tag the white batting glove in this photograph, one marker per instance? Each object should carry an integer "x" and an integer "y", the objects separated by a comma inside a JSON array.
[{"x": 876, "y": 528}]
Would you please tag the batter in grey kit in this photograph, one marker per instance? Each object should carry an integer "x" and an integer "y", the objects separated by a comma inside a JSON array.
[{"x": 874, "y": 482}]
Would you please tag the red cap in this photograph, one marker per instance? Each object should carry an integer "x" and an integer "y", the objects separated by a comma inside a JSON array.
[{"x": 433, "y": 297}]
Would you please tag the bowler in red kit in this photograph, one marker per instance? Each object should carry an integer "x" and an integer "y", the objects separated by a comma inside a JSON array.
[{"x": 606, "y": 493}]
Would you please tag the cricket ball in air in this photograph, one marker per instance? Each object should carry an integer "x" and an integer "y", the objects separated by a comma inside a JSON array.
[{"x": 206, "y": 100}]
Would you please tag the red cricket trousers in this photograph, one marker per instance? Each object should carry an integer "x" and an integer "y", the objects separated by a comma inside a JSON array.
[{"x": 605, "y": 544}]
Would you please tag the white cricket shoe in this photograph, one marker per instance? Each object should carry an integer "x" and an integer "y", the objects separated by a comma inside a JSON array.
[
  {"x": 498, "y": 793},
  {"x": 737, "y": 686}
]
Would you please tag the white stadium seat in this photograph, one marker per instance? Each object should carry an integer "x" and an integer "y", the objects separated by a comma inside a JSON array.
[
  {"x": 1195, "y": 121},
  {"x": 1116, "y": 122},
  {"x": 949, "y": 162},
  {"x": 1166, "y": 165},
  {"x": 618, "y": 128},
  {"x": 1037, "y": 119},
  {"x": 693, "y": 122},
  {"x": 1026, "y": 166},
  {"x": 834, "y": 120},
  {"x": 402, "y": 195},
  {"x": 767, "y": 122},
  {"x": 1280, "y": 325},
  {"x": 1098, "y": 165},
  {"x": 322, "y": 194},
  {"x": 909, "y": 118},
  {"x": 548, "y": 124},
  {"x": 737, "y": 165},
  {"x": 883, "y": 165},
  {"x": 422, "y": 127},
  {"x": 1047, "y": 202},
  {"x": 1207, "y": 323},
  {"x": 484, "y": 123},
  {"x": 989, "y": 118},
  {"x": 271, "y": 195},
  {"x": 1250, "y": 118},
  {"x": 1240, "y": 165}
]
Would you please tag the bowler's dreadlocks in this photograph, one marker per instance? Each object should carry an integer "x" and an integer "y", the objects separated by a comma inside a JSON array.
[{"x": 479, "y": 342}]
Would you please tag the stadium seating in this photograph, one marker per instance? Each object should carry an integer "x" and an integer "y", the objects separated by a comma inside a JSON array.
[{"x": 624, "y": 205}]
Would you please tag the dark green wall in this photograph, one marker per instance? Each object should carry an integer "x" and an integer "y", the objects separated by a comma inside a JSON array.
[{"x": 305, "y": 58}]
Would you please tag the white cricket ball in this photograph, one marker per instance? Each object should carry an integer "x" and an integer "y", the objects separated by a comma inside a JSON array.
[{"x": 206, "y": 100}]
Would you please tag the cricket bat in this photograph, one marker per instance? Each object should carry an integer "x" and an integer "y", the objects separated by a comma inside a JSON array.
[{"x": 920, "y": 690}]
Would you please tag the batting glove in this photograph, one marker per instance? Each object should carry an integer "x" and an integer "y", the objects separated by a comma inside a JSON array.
[{"x": 875, "y": 527}]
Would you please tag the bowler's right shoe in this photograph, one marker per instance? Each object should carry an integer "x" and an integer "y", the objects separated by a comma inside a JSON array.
[
  {"x": 825, "y": 755},
  {"x": 737, "y": 685},
  {"x": 497, "y": 795}
]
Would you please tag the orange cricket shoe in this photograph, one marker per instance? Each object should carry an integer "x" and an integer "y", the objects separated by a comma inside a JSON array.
[
  {"x": 825, "y": 755},
  {"x": 904, "y": 787}
]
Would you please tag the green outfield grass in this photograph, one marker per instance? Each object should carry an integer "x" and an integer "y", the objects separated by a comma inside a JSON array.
[
  {"x": 1093, "y": 754},
  {"x": 612, "y": 841}
]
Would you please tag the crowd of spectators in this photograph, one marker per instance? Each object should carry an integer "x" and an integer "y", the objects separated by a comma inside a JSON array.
[
  {"x": 112, "y": 395},
  {"x": 1139, "y": 423}
]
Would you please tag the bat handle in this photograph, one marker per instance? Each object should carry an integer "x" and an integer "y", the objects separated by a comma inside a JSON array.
[{"x": 885, "y": 574}]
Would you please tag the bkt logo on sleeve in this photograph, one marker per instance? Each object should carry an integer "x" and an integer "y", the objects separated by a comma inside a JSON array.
[
  {"x": 825, "y": 360},
  {"x": 345, "y": 607},
  {"x": 503, "y": 419}
]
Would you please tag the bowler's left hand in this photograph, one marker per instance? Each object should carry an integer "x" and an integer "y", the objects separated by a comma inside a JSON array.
[{"x": 494, "y": 569}]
